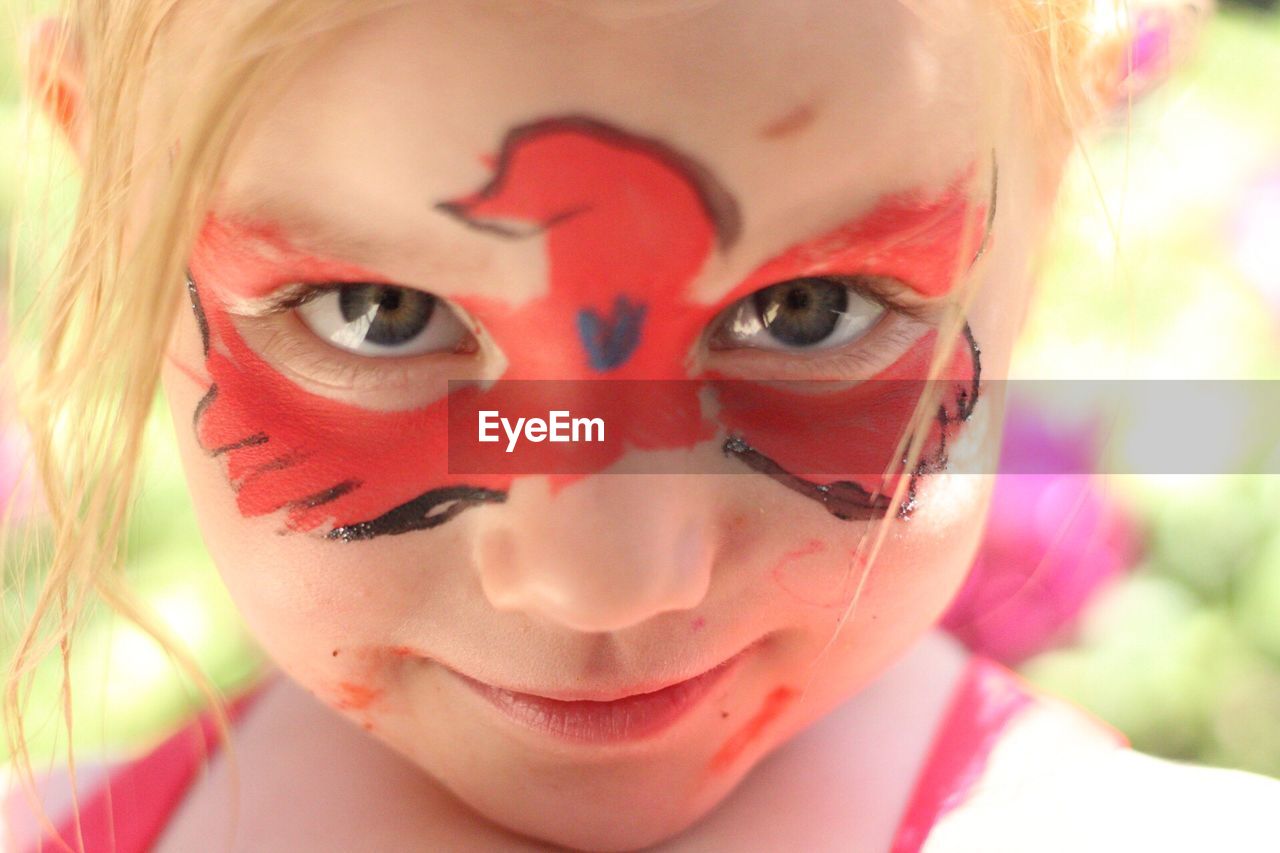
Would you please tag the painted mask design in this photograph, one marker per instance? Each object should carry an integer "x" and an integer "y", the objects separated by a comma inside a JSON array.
[{"x": 628, "y": 226}]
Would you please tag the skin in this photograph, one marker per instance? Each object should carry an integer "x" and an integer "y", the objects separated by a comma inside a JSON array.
[{"x": 813, "y": 115}]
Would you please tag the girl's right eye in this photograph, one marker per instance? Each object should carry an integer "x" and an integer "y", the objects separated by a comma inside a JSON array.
[
  {"x": 382, "y": 320},
  {"x": 800, "y": 315}
]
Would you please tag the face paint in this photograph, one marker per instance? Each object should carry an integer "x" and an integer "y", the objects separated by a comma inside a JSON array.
[
  {"x": 627, "y": 225},
  {"x": 319, "y": 460},
  {"x": 802, "y": 440},
  {"x": 774, "y": 704},
  {"x": 784, "y": 434},
  {"x": 254, "y": 259},
  {"x": 356, "y": 697},
  {"x": 611, "y": 217},
  {"x": 923, "y": 244},
  {"x": 802, "y": 575}
]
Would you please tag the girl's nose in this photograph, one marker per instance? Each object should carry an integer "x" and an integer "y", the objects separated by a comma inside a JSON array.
[{"x": 602, "y": 554}]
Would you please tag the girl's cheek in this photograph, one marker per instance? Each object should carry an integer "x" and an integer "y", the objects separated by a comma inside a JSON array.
[{"x": 315, "y": 606}]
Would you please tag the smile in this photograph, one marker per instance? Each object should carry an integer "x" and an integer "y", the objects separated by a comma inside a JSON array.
[{"x": 632, "y": 716}]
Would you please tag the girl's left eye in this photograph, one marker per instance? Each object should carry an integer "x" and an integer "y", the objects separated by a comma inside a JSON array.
[
  {"x": 382, "y": 320},
  {"x": 803, "y": 314}
]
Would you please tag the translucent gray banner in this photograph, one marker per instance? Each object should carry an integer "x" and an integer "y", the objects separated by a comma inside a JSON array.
[{"x": 825, "y": 430}]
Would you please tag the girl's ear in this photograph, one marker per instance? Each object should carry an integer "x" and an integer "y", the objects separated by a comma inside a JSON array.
[{"x": 55, "y": 79}]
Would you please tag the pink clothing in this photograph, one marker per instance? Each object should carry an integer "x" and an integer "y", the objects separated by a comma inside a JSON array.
[{"x": 128, "y": 814}]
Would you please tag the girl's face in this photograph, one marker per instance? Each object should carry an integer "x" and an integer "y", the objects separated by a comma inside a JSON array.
[{"x": 596, "y": 192}]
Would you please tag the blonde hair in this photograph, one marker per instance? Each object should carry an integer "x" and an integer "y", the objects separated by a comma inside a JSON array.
[{"x": 106, "y": 315}]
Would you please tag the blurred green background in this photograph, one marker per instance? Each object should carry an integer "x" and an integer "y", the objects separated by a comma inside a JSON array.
[{"x": 1182, "y": 653}]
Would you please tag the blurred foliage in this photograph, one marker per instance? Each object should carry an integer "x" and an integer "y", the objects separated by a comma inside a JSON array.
[{"x": 1183, "y": 655}]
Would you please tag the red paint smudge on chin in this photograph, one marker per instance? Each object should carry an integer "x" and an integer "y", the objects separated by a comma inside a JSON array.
[
  {"x": 774, "y": 704},
  {"x": 355, "y": 697}
]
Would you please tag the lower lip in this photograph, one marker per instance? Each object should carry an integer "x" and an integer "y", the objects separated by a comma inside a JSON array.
[{"x": 632, "y": 718}]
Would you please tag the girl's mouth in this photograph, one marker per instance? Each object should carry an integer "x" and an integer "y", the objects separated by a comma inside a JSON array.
[{"x": 633, "y": 716}]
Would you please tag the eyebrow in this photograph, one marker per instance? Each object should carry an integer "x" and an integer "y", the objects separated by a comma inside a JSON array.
[
  {"x": 252, "y": 259},
  {"x": 921, "y": 240}
]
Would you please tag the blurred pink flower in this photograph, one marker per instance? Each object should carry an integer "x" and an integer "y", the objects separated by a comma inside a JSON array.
[{"x": 1052, "y": 540}]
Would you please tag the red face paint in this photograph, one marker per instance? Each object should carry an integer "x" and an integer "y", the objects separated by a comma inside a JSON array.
[
  {"x": 252, "y": 260},
  {"x": 806, "y": 580},
  {"x": 355, "y": 697},
  {"x": 627, "y": 226},
  {"x": 922, "y": 243},
  {"x": 774, "y": 704},
  {"x": 844, "y": 441}
]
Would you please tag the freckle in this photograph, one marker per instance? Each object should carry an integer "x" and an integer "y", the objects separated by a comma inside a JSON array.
[
  {"x": 791, "y": 122},
  {"x": 770, "y": 710},
  {"x": 698, "y": 624},
  {"x": 724, "y": 715},
  {"x": 355, "y": 697},
  {"x": 335, "y": 653},
  {"x": 367, "y": 726}
]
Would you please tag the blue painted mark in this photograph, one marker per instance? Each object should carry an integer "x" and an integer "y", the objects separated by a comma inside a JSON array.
[{"x": 610, "y": 341}]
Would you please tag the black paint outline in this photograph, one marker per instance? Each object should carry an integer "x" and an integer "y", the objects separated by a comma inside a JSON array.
[
  {"x": 848, "y": 501},
  {"x": 417, "y": 513}
]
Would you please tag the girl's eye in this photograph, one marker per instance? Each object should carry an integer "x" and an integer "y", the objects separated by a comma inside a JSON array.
[
  {"x": 382, "y": 320},
  {"x": 800, "y": 314}
]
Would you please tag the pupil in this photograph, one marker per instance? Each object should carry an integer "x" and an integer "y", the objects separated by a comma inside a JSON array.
[
  {"x": 802, "y": 312},
  {"x": 395, "y": 314},
  {"x": 797, "y": 299}
]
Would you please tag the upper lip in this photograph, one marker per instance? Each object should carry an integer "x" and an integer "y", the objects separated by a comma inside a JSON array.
[{"x": 603, "y": 694}]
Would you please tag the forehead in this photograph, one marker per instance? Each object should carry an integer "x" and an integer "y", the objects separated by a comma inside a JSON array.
[{"x": 807, "y": 111}]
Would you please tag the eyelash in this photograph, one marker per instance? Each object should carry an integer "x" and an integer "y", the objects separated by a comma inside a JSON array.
[{"x": 287, "y": 299}]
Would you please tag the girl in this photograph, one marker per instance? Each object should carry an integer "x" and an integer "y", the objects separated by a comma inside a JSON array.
[{"x": 777, "y": 249}]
